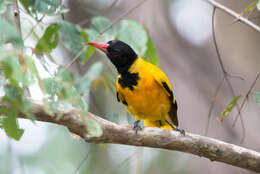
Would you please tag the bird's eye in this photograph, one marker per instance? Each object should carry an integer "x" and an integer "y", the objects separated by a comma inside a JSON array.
[{"x": 115, "y": 54}]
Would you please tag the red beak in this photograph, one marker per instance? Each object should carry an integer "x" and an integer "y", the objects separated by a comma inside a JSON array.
[{"x": 101, "y": 46}]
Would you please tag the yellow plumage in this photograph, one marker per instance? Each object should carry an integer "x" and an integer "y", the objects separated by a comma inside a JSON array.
[{"x": 150, "y": 99}]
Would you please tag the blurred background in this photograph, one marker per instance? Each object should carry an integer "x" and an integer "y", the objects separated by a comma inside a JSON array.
[{"x": 182, "y": 33}]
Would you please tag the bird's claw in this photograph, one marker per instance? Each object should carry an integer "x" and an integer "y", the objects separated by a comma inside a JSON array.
[
  {"x": 137, "y": 127},
  {"x": 182, "y": 131}
]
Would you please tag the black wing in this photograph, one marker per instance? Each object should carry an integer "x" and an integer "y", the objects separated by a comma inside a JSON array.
[
  {"x": 123, "y": 101},
  {"x": 174, "y": 106}
]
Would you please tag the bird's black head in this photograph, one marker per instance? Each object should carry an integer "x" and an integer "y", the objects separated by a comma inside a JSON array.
[{"x": 119, "y": 53}]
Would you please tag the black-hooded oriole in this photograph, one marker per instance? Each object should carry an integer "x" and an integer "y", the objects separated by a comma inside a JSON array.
[{"x": 142, "y": 87}]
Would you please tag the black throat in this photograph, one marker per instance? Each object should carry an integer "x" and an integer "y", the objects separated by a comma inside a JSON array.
[{"x": 128, "y": 80}]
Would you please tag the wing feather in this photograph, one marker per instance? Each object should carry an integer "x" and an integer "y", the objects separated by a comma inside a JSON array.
[
  {"x": 163, "y": 81},
  {"x": 119, "y": 95}
]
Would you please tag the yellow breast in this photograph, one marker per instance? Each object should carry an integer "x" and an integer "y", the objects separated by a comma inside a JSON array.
[{"x": 147, "y": 99}]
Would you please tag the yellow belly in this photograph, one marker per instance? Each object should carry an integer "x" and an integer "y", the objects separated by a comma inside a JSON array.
[{"x": 147, "y": 101}]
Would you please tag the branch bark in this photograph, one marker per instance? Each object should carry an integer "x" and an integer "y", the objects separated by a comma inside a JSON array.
[
  {"x": 234, "y": 14},
  {"x": 17, "y": 16},
  {"x": 210, "y": 148}
]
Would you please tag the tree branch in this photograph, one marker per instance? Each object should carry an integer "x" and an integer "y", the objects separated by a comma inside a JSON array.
[
  {"x": 234, "y": 14},
  {"x": 246, "y": 98},
  {"x": 210, "y": 148},
  {"x": 225, "y": 73}
]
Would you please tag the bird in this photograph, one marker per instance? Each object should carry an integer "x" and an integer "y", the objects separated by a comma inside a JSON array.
[{"x": 142, "y": 87}]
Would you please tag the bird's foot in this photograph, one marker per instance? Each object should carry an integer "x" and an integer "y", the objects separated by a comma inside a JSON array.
[
  {"x": 182, "y": 131},
  {"x": 137, "y": 127},
  {"x": 175, "y": 128}
]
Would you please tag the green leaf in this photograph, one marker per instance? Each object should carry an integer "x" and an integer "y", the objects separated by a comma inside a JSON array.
[
  {"x": 12, "y": 69},
  {"x": 83, "y": 83},
  {"x": 51, "y": 86},
  {"x": 151, "y": 55},
  {"x": 11, "y": 127},
  {"x": 90, "y": 52},
  {"x": 134, "y": 34},
  {"x": 257, "y": 97},
  {"x": 64, "y": 75},
  {"x": 31, "y": 65},
  {"x": 98, "y": 25},
  {"x": 48, "y": 41},
  {"x": 28, "y": 79},
  {"x": 250, "y": 7},
  {"x": 8, "y": 33},
  {"x": 258, "y": 5},
  {"x": 113, "y": 116},
  {"x": 84, "y": 36},
  {"x": 229, "y": 108},
  {"x": 12, "y": 94},
  {"x": 26, "y": 5},
  {"x": 94, "y": 128},
  {"x": 3, "y": 5},
  {"x": 47, "y": 6},
  {"x": 26, "y": 109},
  {"x": 1, "y": 122},
  {"x": 71, "y": 38}
]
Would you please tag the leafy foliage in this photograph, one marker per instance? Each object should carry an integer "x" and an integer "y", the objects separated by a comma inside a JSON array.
[
  {"x": 98, "y": 25},
  {"x": 48, "y": 41},
  {"x": 150, "y": 54},
  {"x": 3, "y": 5},
  {"x": 229, "y": 108},
  {"x": 61, "y": 93},
  {"x": 49, "y": 7},
  {"x": 129, "y": 31},
  {"x": 250, "y": 8},
  {"x": 8, "y": 33},
  {"x": 71, "y": 37},
  {"x": 16, "y": 81},
  {"x": 258, "y": 5},
  {"x": 257, "y": 97},
  {"x": 63, "y": 90}
]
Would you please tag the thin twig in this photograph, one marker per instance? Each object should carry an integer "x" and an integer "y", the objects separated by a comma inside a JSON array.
[
  {"x": 239, "y": 114},
  {"x": 224, "y": 70},
  {"x": 31, "y": 30},
  {"x": 234, "y": 14},
  {"x": 213, "y": 101},
  {"x": 108, "y": 27},
  {"x": 81, "y": 162},
  {"x": 122, "y": 16},
  {"x": 235, "y": 76},
  {"x": 246, "y": 16},
  {"x": 246, "y": 98},
  {"x": 17, "y": 17},
  {"x": 18, "y": 27},
  {"x": 75, "y": 58},
  {"x": 86, "y": 21},
  {"x": 216, "y": 45}
]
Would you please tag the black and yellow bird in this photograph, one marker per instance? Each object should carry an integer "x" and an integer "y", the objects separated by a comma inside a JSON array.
[{"x": 142, "y": 87}]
